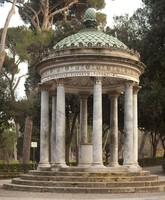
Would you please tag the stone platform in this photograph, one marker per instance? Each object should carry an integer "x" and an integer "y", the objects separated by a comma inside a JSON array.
[{"x": 78, "y": 180}]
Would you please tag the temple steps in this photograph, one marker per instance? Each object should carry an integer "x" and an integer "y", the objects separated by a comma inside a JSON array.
[
  {"x": 68, "y": 181},
  {"x": 84, "y": 190},
  {"x": 87, "y": 183},
  {"x": 90, "y": 178},
  {"x": 87, "y": 173}
]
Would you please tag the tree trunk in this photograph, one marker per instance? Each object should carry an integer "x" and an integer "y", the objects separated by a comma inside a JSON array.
[
  {"x": 70, "y": 136},
  {"x": 144, "y": 137},
  {"x": 27, "y": 140},
  {"x": 4, "y": 33},
  {"x": 15, "y": 150},
  {"x": 6, "y": 155},
  {"x": 155, "y": 136},
  {"x": 17, "y": 126},
  {"x": 121, "y": 144},
  {"x": 162, "y": 138},
  {"x": 154, "y": 151},
  {"x": 77, "y": 146},
  {"x": 46, "y": 23},
  {"x": 67, "y": 152}
]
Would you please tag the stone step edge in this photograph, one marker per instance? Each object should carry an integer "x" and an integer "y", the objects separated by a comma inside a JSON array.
[
  {"x": 146, "y": 183},
  {"x": 92, "y": 177},
  {"x": 90, "y": 172},
  {"x": 83, "y": 190}
]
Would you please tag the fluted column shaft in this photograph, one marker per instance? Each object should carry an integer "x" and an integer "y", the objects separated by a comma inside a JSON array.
[
  {"x": 44, "y": 130},
  {"x": 128, "y": 124},
  {"x": 135, "y": 135},
  {"x": 114, "y": 130},
  {"x": 83, "y": 119},
  {"x": 53, "y": 131},
  {"x": 97, "y": 124},
  {"x": 60, "y": 125}
]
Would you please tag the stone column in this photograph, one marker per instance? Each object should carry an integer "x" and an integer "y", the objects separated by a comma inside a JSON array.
[
  {"x": 44, "y": 130},
  {"x": 97, "y": 124},
  {"x": 135, "y": 123},
  {"x": 128, "y": 124},
  {"x": 85, "y": 150},
  {"x": 83, "y": 119},
  {"x": 60, "y": 125},
  {"x": 53, "y": 131},
  {"x": 114, "y": 130}
]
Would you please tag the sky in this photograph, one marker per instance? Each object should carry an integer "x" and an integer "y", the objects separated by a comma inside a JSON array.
[{"x": 112, "y": 8}]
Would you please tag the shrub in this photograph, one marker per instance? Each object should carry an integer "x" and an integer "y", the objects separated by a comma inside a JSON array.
[
  {"x": 147, "y": 162},
  {"x": 21, "y": 168},
  {"x": 163, "y": 165}
]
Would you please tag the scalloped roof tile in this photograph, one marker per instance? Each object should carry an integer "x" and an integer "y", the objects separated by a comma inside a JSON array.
[{"x": 90, "y": 35}]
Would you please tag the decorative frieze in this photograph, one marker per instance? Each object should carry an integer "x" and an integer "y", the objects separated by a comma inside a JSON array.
[{"x": 90, "y": 70}]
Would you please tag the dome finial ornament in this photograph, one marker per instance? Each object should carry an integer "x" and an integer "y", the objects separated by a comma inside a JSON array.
[{"x": 90, "y": 20}]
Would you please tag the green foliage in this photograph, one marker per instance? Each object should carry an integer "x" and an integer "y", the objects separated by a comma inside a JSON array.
[
  {"x": 102, "y": 20},
  {"x": 18, "y": 39},
  {"x": 144, "y": 32},
  {"x": 17, "y": 167},
  {"x": 151, "y": 105},
  {"x": 163, "y": 165},
  {"x": 148, "y": 162},
  {"x": 72, "y": 111},
  {"x": 152, "y": 96},
  {"x": 4, "y": 102},
  {"x": 42, "y": 43},
  {"x": 34, "y": 13},
  {"x": 9, "y": 137},
  {"x": 154, "y": 40}
]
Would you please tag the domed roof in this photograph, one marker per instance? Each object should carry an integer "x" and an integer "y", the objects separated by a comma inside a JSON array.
[{"x": 90, "y": 36}]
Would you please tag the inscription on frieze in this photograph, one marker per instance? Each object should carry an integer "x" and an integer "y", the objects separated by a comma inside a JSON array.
[{"x": 89, "y": 70}]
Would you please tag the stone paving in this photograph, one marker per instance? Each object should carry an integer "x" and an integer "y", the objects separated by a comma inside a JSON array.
[{"x": 17, "y": 195}]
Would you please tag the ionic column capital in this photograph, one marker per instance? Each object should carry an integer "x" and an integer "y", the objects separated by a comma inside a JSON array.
[
  {"x": 136, "y": 89},
  {"x": 129, "y": 84},
  {"x": 84, "y": 95},
  {"x": 60, "y": 81},
  {"x": 43, "y": 87},
  {"x": 114, "y": 94},
  {"x": 97, "y": 80}
]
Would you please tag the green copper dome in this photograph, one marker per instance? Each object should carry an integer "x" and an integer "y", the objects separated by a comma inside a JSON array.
[{"x": 90, "y": 37}]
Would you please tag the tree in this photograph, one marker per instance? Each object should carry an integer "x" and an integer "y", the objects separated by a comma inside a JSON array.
[
  {"x": 72, "y": 112},
  {"x": 151, "y": 111},
  {"x": 144, "y": 32},
  {"x": 44, "y": 14},
  {"x": 153, "y": 81},
  {"x": 27, "y": 140},
  {"x": 4, "y": 32},
  {"x": 66, "y": 23},
  {"x": 18, "y": 39}
]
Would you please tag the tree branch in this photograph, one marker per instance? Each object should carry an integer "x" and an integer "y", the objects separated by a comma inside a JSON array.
[
  {"x": 14, "y": 88},
  {"x": 63, "y": 9},
  {"x": 34, "y": 19},
  {"x": 4, "y": 33}
]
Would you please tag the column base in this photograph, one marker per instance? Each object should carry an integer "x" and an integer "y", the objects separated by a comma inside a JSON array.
[
  {"x": 113, "y": 165},
  {"x": 43, "y": 167},
  {"x": 97, "y": 165},
  {"x": 84, "y": 165},
  {"x": 58, "y": 166},
  {"x": 133, "y": 167}
]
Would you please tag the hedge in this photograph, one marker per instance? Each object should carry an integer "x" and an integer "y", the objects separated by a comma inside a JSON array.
[
  {"x": 147, "y": 162},
  {"x": 24, "y": 168},
  {"x": 21, "y": 168},
  {"x": 163, "y": 165}
]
